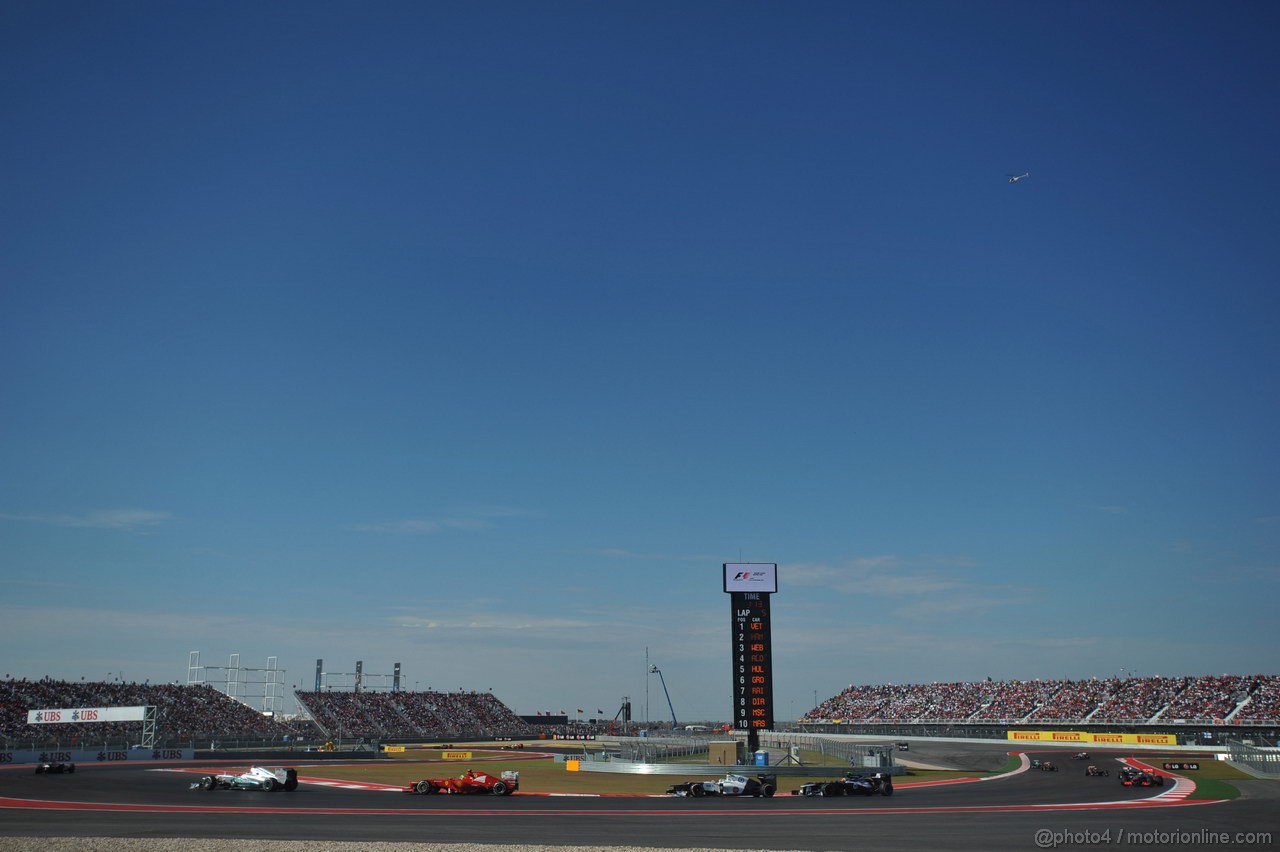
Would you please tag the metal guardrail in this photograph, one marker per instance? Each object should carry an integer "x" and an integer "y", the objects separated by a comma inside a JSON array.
[
  {"x": 654, "y": 756},
  {"x": 789, "y": 771},
  {"x": 1264, "y": 761}
]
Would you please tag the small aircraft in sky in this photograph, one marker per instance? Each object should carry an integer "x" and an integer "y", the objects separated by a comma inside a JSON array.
[{"x": 1016, "y": 178}]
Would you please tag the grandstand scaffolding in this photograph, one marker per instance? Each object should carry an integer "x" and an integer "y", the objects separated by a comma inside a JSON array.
[
  {"x": 358, "y": 680},
  {"x": 242, "y": 682}
]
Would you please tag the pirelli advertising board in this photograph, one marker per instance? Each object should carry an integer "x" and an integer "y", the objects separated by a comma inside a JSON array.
[{"x": 1092, "y": 738}]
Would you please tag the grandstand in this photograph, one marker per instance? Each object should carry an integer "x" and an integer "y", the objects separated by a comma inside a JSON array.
[
  {"x": 1198, "y": 709},
  {"x": 1223, "y": 703},
  {"x": 409, "y": 715},
  {"x": 184, "y": 714},
  {"x": 201, "y": 716}
]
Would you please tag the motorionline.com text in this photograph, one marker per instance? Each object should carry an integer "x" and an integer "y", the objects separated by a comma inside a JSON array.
[{"x": 1049, "y": 839}]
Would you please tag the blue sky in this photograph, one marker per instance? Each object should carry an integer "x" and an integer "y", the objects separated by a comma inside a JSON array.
[{"x": 476, "y": 336}]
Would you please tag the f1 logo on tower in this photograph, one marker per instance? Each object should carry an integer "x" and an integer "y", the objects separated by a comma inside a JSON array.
[{"x": 759, "y": 577}]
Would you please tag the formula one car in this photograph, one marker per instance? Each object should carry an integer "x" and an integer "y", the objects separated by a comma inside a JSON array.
[
  {"x": 1131, "y": 777},
  {"x": 257, "y": 778},
  {"x": 1080, "y": 755},
  {"x": 1048, "y": 766},
  {"x": 467, "y": 783},
  {"x": 729, "y": 785},
  {"x": 54, "y": 768},
  {"x": 1095, "y": 771},
  {"x": 851, "y": 784}
]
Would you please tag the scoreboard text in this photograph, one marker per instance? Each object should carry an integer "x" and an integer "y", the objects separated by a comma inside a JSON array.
[{"x": 752, "y": 662}]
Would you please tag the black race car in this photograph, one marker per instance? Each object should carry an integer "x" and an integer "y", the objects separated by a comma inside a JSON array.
[
  {"x": 1095, "y": 771},
  {"x": 1048, "y": 766},
  {"x": 851, "y": 784},
  {"x": 1131, "y": 777},
  {"x": 54, "y": 768}
]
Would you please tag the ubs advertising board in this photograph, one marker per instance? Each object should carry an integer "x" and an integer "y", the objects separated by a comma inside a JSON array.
[{"x": 750, "y": 585}]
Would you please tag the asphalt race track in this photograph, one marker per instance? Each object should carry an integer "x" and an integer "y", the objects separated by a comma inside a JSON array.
[{"x": 1003, "y": 813}]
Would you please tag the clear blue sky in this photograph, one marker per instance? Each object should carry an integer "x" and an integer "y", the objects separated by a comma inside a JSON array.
[{"x": 475, "y": 336}]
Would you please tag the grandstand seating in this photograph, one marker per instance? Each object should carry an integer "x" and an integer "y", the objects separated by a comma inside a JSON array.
[
  {"x": 1207, "y": 699},
  {"x": 399, "y": 715},
  {"x": 182, "y": 712}
]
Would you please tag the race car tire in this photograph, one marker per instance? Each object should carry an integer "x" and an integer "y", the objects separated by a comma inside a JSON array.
[
  {"x": 697, "y": 791},
  {"x": 886, "y": 791},
  {"x": 424, "y": 788},
  {"x": 291, "y": 780},
  {"x": 833, "y": 790},
  {"x": 270, "y": 785},
  {"x": 767, "y": 791},
  {"x": 207, "y": 783},
  {"x": 499, "y": 788}
]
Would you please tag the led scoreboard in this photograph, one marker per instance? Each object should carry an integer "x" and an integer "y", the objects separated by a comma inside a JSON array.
[{"x": 749, "y": 585}]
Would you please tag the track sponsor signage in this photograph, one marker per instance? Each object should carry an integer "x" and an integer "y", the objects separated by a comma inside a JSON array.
[
  {"x": 10, "y": 758},
  {"x": 1092, "y": 738},
  {"x": 455, "y": 755},
  {"x": 85, "y": 715}
]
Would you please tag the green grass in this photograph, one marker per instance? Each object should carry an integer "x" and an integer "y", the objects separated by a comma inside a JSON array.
[{"x": 1212, "y": 778}]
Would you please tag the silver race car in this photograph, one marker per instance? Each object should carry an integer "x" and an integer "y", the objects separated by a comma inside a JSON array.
[
  {"x": 257, "y": 778},
  {"x": 729, "y": 785}
]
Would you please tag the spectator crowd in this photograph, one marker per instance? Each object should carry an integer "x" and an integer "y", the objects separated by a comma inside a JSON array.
[
  {"x": 182, "y": 712},
  {"x": 399, "y": 715},
  {"x": 1204, "y": 699},
  {"x": 201, "y": 712}
]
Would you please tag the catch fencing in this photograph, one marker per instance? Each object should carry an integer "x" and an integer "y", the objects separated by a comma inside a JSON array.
[{"x": 1264, "y": 761}]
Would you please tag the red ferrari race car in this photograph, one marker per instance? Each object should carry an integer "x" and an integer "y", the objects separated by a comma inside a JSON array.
[{"x": 469, "y": 782}]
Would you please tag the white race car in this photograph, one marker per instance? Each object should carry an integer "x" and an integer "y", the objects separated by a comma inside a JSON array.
[
  {"x": 729, "y": 785},
  {"x": 257, "y": 778}
]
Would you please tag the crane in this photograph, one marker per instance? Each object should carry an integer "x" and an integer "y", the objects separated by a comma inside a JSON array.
[{"x": 658, "y": 672}]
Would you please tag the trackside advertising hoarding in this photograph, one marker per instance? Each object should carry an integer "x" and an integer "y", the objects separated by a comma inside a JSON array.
[
  {"x": 82, "y": 715},
  {"x": 1092, "y": 738},
  {"x": 133, "y": 755}
]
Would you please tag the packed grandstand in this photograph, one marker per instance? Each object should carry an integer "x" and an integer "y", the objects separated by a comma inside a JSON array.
[
  {"x": 1203, "y": 700},
  {"x": 200, "y": 713}
]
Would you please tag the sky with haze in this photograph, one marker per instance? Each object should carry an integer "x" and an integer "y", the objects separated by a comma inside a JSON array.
[{"x": 475, "y": 336}]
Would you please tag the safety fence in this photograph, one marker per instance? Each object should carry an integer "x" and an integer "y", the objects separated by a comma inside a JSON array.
[{"x": 1264, "y": 761}]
